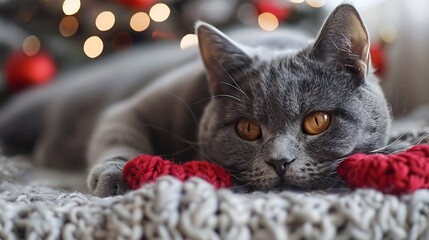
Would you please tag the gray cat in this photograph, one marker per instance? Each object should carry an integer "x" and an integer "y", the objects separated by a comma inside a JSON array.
[{"x": 277, "y": 113}]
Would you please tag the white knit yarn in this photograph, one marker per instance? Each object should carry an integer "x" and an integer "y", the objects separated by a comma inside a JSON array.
[{"x": 169, "y": 209}]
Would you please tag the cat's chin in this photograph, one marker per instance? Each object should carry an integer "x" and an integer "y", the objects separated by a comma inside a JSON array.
[
  {"x": 282, "y": 184},
  {"x": 268, "y": 181},
  {"x": 309, "y": 185},
  {"x": 286, "y": 184}
]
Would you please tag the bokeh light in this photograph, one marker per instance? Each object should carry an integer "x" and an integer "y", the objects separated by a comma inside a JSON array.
[
  {"x": 388, "y": 32},
  {"x": 93, "y": 47},
  {"x": 188, "y": 40},
  {"x": 105, "y": 21},
  {"x": 157, "y": 34},
  {"x": 268, "y": 21},
  {"x": 159, "y": 12},
  {"x": 140, "y": 21},
  {"x": 71, "y": 7},
  {"x": 297, "y": 1},
  {"x": 31, "y": 45},
  {"x": 316, "y": 3},
  {"x": 68, "y": 26}
]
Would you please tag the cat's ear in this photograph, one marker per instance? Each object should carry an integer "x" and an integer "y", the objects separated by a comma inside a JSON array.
[
  {"x": 344, "y": 41},
  {"x": 222, "y": 57}
]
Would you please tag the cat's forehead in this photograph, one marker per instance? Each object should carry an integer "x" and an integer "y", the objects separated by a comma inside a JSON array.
[
  {"x": 290, "y": 74},
  {"x": 293, "y": 86}
]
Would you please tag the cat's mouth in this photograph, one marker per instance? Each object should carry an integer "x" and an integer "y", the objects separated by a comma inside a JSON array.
[{"x": 284, "y": 186}]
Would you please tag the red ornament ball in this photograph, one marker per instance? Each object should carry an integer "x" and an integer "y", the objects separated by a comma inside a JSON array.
[
  {"x": 378, "y": 58},
  {"x": 138, "y": 4},
  {"x": 279, "y": 8},
  {"x": 23, "y": 71}
]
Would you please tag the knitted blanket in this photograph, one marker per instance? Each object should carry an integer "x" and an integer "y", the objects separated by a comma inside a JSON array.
[
  {"x": 31, "y": 208},
  {"x": 169, "y": 209}
]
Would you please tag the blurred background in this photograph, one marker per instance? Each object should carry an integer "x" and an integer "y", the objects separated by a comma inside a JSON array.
[{"x": 41, "y": 40}]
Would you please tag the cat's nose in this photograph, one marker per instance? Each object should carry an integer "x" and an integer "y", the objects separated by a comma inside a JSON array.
[{"x": 280, "y": 164}]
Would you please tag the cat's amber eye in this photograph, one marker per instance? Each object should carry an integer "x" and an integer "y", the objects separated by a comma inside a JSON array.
[
  {"x": 248, "y": 130},
  {"x": 316, "y": 123}
]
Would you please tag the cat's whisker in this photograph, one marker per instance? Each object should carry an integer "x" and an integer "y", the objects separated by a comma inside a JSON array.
[
  {"x": 187, "y": 107},
  {"x": 216, "y": 96},
  {"x": 237, "y": 87},
  {"x": 334, "y": 184},
  {"x": 181, "y": 150},
  {"x": 239, "y": 186},
  {"x": 233, "y": 175},
  {"x": 390, "y": 144},
  {"x": 173, "y": 134},
  {"x": 328, "y": 178},
  {"x": 207, "y": 158},
  {"x": 240, "y": 179},
  {"x": 234, "y": 87},
  {"x": 423, "y": 137},
  {"x": 334, "y": 162},
  {"x": 332, "y": 165}
]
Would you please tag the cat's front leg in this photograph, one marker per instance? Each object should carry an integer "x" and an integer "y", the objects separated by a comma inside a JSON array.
[{"x": 119, "y": 136}]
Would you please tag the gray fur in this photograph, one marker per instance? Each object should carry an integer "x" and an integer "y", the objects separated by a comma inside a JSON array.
[{"x": 191, "y": 112}]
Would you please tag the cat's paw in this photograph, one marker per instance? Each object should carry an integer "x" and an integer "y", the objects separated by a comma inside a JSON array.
[{"x": 105, "y": 178}]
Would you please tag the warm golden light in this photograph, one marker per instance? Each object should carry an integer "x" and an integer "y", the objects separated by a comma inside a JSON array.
[
  {"x": 159, "y": 12},
  {"x": 105, "y": 21},
  {"x": 316, "y": 3},
  {"x": 93, "y": 47},
  {"x": 31, "y": 45},
  {"x": 140, "y": 21},
  {"x": 388, "y": 33},
  {"x": 297, "y": 1},
  {"x": 68, "y": 26},
  {"x": 71, "y": 7},
  {"x": 188, "y": 40},
  {"x": 268, "y": 21}
]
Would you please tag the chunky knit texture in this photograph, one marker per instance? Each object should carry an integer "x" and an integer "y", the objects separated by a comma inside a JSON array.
[{"x": 171, "y": 209}]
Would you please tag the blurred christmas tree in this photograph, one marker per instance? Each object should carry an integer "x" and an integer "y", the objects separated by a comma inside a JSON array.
[{"x": 41, "y": 37}]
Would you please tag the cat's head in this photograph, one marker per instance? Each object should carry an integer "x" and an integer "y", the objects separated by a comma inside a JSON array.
[{"x": 283, "y": 120}]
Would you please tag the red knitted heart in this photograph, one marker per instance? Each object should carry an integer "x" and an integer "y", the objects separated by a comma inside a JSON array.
[
  {"x": 400, "y": 173},
  {"x": 145, "y": 169}
]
